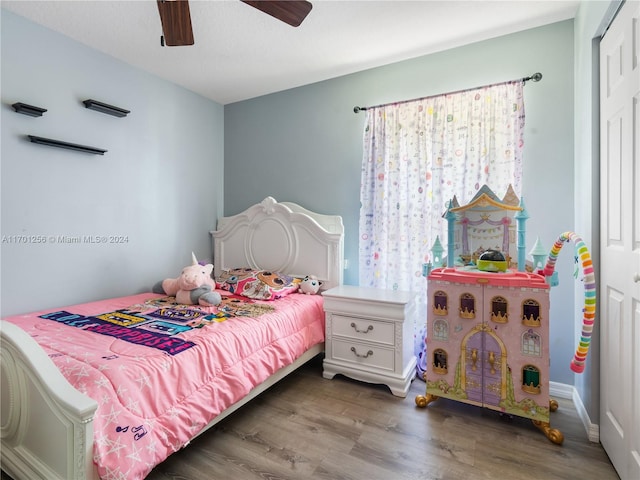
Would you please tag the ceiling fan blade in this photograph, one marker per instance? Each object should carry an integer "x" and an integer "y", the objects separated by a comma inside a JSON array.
[
  {"x": 176, "y": 22},
  {"x": 292, "y": 12}
]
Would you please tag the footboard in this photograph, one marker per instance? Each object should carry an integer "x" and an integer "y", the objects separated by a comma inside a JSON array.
[{"x": 46, "y": 426}]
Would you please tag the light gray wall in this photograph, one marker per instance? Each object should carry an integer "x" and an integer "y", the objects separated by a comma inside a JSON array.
[
  {"x": 304, "y": 145},
  {"x": 590, "y": 23},
  {"x": 159, "y": 184}
]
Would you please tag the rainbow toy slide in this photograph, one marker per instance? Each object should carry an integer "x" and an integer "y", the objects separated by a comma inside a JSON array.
[{"x": 589, "y": 309}]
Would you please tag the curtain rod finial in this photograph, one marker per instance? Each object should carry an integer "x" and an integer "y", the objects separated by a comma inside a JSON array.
[{"x": 357, "y": 109}]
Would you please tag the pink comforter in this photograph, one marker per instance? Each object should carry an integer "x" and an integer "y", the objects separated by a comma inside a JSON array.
[{"x": 161, "y": 374}]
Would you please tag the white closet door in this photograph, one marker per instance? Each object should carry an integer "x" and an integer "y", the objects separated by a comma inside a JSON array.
[{"x": 619, "y": 291}]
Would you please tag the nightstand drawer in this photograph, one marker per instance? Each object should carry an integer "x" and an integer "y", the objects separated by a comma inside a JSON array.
[
  {"x": 363, "y": 354},
  {"x": 363, "y": 329}
]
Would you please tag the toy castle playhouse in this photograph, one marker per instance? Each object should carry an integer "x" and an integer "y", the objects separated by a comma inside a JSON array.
[{"x": 488, "y": 313}]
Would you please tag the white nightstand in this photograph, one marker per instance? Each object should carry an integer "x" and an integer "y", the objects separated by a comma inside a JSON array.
[{"x": 369, "y": 336}]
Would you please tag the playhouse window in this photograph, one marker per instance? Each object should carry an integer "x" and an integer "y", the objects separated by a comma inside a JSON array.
[
  {"x": 441, "y": 330},
  {"x": 440, "y": 300},
  {"x": 531, "y": 313},
  {"x": 499, "y": 310},
  {"x": 467, "y": 306},
  {"x": 531, "y": 379},
  {"x": 440, "y": 361},
  {"x": 531, "y": 343}
]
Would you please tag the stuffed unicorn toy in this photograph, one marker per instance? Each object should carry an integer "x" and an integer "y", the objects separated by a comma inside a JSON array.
[{"x": 194, "y": 286}]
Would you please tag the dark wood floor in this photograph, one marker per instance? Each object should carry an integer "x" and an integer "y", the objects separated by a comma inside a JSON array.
[{"x": 307, "y": 427}]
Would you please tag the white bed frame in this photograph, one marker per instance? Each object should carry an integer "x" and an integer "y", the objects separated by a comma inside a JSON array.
[{"x": 46, "y": 426}]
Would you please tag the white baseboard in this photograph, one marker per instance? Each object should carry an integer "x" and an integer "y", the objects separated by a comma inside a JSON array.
[{"x": 562, "y": 390}]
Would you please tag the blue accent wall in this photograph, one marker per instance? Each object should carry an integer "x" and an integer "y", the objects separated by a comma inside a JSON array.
[{"x": 305, "y": 144}]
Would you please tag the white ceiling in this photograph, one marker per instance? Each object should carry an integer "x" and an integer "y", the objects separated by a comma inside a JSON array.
[{"x": 241, "y": 53}]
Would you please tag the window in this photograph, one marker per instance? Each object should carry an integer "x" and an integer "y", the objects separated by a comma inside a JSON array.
[
  {"x": 441, "y": 330},
  {"x": 531, "y": 379},
  {"x": 440, "y": 361},
  {"x": 531, "y": 342},
  {"x": 440, "y": 303},
  {"x": 499, "y": 310},
  {"x": 531, "y": 313},
  {"x": 467, "y": 306}
]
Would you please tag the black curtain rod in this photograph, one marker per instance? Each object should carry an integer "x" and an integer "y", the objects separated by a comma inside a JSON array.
[{"x": 536, "y": 77}]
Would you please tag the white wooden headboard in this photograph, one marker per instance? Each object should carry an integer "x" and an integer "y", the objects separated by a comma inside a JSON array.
[{"x": 281, "y": 237}]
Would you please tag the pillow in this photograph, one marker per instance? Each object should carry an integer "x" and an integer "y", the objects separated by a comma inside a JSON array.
[{"x": 257, "y": 284}]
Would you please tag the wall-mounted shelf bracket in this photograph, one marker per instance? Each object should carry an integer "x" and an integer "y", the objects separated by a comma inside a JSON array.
[
  {"x": 105, "y": 108},
  {"x": 70, "y": 146},
  {"x": 28, "y": 109}
]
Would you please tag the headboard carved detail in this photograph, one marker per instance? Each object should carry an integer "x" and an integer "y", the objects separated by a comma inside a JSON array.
[{"x": 282, "y": 237}]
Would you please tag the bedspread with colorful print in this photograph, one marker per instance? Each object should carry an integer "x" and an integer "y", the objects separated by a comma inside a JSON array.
[
  {"x": 160, "y": 372},
  {"x": 157, "y": 322}
]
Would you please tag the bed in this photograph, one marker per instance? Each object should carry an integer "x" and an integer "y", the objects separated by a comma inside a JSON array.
[{"x": 75, "y": 386}]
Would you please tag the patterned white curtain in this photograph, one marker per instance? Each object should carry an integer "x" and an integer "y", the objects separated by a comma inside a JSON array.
[{"x": 420, "y": 154}]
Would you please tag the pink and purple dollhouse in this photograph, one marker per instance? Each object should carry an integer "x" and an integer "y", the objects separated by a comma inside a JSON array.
[{"x": 488, "y": 325}]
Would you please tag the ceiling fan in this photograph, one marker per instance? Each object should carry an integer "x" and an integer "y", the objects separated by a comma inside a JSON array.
[{"x": 176, "y": 17}]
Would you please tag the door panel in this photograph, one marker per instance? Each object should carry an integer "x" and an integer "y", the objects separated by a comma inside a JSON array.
[
  {"x": 492, "y": 371},
  {"x": 613, "y": 335},
  {"x": 473, "y": 366}
]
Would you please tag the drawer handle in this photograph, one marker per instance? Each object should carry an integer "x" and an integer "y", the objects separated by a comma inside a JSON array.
[
  {"x": 369, "y": 353},
  {"x": 369, "y": 328}
]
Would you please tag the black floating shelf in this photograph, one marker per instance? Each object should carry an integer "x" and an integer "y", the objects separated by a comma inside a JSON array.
[
  {"x": 104, "y": 108},
  {"x": 70, "y": 146},
  {"x": 28, "y": 109}
]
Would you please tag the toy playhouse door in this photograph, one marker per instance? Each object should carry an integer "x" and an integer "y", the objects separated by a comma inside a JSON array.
[{"x": 485, "y": 358}]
